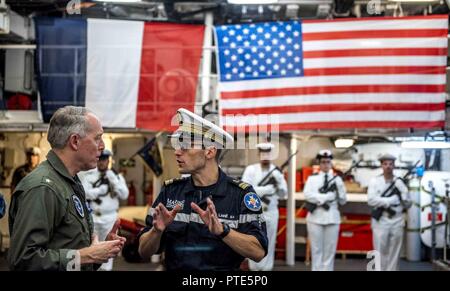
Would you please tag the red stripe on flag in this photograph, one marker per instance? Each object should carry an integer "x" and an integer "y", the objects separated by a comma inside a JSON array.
[
  {"x": 433, "y": 28},
  {"x": 340, "y": 125},
  {"x": 169, "y": 72},
  {"x": 355, "y": 34},
  {"x": 334, "y": 90},
  {"x": 381, "y": 18},
  {"x": 337, "y": 107},
  {"x": 375, "y": 52},
  {"x": 375, "y": 70}
]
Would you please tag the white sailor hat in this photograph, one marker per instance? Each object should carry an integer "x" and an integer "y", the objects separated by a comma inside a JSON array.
[
  {"x": 386, "y": 157},
  {"x": 192, "y": 126},
  {"x": 265, "y": 146},
  {"x": 324, "y": 154},
  {"x": 33, "y": 151}
]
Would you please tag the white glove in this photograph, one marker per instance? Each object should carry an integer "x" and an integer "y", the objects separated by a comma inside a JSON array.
[
  {"x": 400, "y": 185},
  {"x": 324, "y": 198},
  {"x": 103, "y": 189},
  {"x": 278, "y": 177},
  {"x": 112, "y": 177},
  {"x": 393, "y": 200},
  {"x": 330, "y": 196},
  {"x": 265, "y": 190}
]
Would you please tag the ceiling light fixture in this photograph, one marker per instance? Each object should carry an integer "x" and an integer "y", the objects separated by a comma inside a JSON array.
[{"x": 343, "y": 143}]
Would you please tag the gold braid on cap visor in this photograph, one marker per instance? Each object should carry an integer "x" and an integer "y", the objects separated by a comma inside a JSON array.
[{"x": 196, "y": 130}]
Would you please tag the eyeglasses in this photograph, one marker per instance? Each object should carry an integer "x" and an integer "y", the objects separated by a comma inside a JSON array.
[{"x": 325, "y": 162}]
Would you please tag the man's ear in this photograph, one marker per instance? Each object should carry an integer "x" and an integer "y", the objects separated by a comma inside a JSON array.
[
  {"x": 210, "y": 152},
  {"x": 74, "y": 142}
]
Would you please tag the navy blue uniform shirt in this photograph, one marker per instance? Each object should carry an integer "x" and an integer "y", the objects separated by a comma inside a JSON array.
[{"x": 187, "y": 242}]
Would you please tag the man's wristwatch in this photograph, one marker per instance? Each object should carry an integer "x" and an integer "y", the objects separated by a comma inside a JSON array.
[{"x": 226, "y": 230}]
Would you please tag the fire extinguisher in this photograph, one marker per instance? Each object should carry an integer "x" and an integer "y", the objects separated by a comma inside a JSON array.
[
  {"x": 132, "y": 194},
  {"x": 149, "y": 194}
]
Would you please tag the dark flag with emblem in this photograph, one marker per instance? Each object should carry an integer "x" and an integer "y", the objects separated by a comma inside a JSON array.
[
  {"x": 151, "y": 155},
  {"x": 2, "y": 206}
]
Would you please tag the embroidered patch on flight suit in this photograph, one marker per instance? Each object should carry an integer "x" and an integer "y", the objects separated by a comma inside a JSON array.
[{"x": 78, "y": 205}]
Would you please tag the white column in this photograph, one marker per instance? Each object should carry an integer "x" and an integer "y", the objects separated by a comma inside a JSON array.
[
  {"x": 290, "y": 214},
  {"x": 445, "y": 159},
  {"x": 413, "y": 241},
  {"x": 206, "y": 62}
]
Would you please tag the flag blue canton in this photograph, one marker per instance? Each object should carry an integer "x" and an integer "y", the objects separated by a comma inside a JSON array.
[{"x": 260, "y": 51}]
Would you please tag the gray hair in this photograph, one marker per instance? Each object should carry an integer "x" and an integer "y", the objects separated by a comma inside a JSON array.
[{"x": 65, "y": 122}]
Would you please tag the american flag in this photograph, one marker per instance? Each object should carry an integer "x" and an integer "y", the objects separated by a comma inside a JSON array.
[{"x": 346, "y": 73}]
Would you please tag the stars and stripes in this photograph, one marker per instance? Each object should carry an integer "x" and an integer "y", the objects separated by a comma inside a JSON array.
[{"x": 346, "y": 73}]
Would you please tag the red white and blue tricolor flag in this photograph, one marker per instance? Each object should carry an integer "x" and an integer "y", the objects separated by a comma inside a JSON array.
[
  {"x": 130, "y": 73},
  {"x": 329, "y": 74}
]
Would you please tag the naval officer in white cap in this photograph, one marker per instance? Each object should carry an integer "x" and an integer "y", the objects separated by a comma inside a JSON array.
[
  {"x": 269, "y": 194},
  {"x": 388, "y": 229},
  {"x": 207, "y": 221},
  {"x": 324, "y": 192},
  {"x": 104, "y": 188}
]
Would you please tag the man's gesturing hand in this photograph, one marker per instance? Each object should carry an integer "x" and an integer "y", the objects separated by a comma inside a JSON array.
[
  {"x": 113, "y": 234},
  {"x": 209, "y": 217},
  {"x": 163, "y": 217},
  {"x": 100, "y": 252}
]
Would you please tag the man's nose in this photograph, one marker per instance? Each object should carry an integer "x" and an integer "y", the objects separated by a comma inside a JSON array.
[{"x": 101, "y": 146}]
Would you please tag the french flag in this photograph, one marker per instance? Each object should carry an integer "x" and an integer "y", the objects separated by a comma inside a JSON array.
[{"x": 130, "y": 73}]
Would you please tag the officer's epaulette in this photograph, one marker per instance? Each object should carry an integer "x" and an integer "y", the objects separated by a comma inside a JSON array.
[
  {"x": 240, "y": 184},
  {"x": 47, "y": 180},
  {"x": 175, "y": 180}
]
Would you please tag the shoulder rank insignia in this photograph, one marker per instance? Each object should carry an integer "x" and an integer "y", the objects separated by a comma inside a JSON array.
[
  {"x": 171, "y": 181},
  {"x": 168, "y": 182},
  {"x": 240, "y": 184},
  {"x": 46, "y": 180}
]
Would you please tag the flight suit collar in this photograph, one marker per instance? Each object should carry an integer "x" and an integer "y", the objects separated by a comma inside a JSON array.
[
  {"x": 190, "y": 187},
  {"x": 58, "y": 165}
]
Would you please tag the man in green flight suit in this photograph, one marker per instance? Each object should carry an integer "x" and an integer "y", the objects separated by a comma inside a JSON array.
[{"x": 49, "y": 221}]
